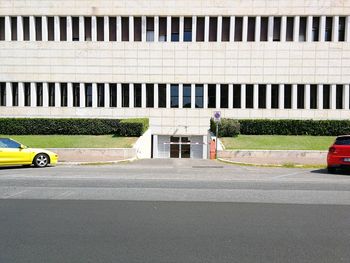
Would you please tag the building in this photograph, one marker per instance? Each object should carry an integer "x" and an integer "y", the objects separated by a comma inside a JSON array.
[{"x": 175, "y": 62}]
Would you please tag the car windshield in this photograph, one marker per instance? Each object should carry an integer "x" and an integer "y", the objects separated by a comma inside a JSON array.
[
  {"x": 342, "y": 141},
  {"x": 8, "y": 143}
]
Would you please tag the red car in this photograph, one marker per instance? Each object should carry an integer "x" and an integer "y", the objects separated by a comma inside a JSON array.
[{"x": 339, "y": 154}]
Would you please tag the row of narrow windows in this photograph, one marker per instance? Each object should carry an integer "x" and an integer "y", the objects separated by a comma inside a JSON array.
[
  {"x": 173, "y": 29},
  {"x": 174, "y": 95}
]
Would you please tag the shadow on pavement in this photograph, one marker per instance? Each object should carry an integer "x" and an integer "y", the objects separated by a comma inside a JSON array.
[
  {"x": 16, "y": 167},
  {"x": 337, "y": 172}
]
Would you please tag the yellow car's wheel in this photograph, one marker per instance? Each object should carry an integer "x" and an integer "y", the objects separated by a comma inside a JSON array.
[{"x": 41, "y": 160}]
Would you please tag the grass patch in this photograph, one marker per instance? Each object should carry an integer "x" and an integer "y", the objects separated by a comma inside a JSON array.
[
  {"x": 74, "y": 141},
  {"x": 278, "y": 142}
]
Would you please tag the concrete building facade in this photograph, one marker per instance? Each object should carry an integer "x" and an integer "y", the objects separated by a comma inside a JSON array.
[{"x": 175, "y": 62}]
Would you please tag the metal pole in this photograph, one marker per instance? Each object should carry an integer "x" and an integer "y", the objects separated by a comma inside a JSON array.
[{"x": 216, "y": 142}]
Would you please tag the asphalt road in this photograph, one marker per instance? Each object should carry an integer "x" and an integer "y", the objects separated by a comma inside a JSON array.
[{"x": 173, "y": 211}]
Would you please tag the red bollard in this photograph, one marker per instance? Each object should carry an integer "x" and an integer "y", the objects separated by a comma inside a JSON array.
[{"x": 213, "y": 150}]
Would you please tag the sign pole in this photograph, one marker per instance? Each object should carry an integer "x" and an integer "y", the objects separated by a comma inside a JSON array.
[{"x": 216, "y": 142}]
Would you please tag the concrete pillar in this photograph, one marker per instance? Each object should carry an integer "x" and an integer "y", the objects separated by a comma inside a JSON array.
[
  {"x": 81, "y": 29},
  {"x": 347, "y": 29},
  {"x": 132, "y": 28},
  {"x": 69, "y": 29},
  {"x": 281, "y": 96},
  {"x": 45, "y": 94},
  {"x": 32, "y": 35},
  {"x": 82, "y": 95},
  {"x": 294, "y": 96},
  {"x": 243, "y": 96},
  {"x": 194, "y": 28},
  {"x": 245, "y": 29},
  {"x": 57, "y": 28},
  {"x": 69, "y": 94},
  {"x": 119, "y": 28},
  {"x": 131, "y": 95},
  {"x": 322, "y": 31},
  {"x": 232, "y": 28},
  {"x": 94, "y": 28},
  {"x": 181, "y": 86},
  {"x": 57, "y": 94},
  {"x": 206, "y": 29},
  {"x": 19, "y": 28},
  {"x": 7, "y": 28},
  {"x": 168, "y": 96},
  {"x": 155, "y": 146},
  {"x": 218, "y": 96},
  {"x": 8, "y": 94},
  {"x": 168, "y": 30},
  {"x": 219, "y": 31},
  {"x": 346, "y": 97},
  {"x": 193, "y": 96},
  {"x": 320, "y": 97},
  {"x": 333, "y": 96},
  {"x": 257, "y": 28},
  {"x": 283, "y": 29},
  {"x": 94, "y": 95},
  {"x": 156, "y": 28},
  {"x": 230, "y": 96},
  {"x": 307, "y": 97},
  {"x": 309, "y": 29},
  {"x": 119, "y": 95},
  {"x": 296, "y": 29},
  {"x": 256, "y": 96},
  {"x": 156, "y": 96},
  {"x": 44, "y": 28},
  {"x": 106, "y": 28},
  {"x": 270, "y": 29},
  {"x": 143, "y": 95},
  {"x": 144, "y": 28},
  {"x": 205, "y": 96},
  {"x": 107, "y": 95},
  {"x": 335, "y": 29},
  {"x": 268, "y": 96},
  {"x": 181, "y": 29},
  {"x": 21, "y": 94}
]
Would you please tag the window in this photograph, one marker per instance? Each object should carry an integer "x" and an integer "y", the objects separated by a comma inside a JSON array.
[
  {"x": 63, "y": 28},
  {"x": 112, "y": 28},
  {"x": 329, "y": 25},
  {"x": 64, "y": 98},
  {"x": 2, "y": 94},
  {"x": 301, "y": 97},
  {"x": 187, "y": 96},
  {"x": 76, "y": 95},
  {"x": 15, "y": 94},
  {"x": 162, "y": 29},
  {"x": 200, "y": 29},
  {"x": 88, "y": 95},
  {"x": 25, "y": 21},
  {"x": 100, "y": 95},
  {"x": 290, "y": 28},
  {"x": 137, "y": 29},
  {"x": 315, "y": 28},
  {"x": 188, "y": 29},
  {"x": 75, "y": 28},
  {"x": 125, "y": 28},
  {"x": 8, "y": 143},
  {"x": 249, "y": 96},
  {"x": 50, "y": 28},
  {"x": 26, "y": 94},
  {"x": 174, "y": 96},
  {"x": 38, "y": 29},
  {"x": 137, "y": 95},
  {"x": 262, "y": 96},
  {"x": 100, "y": 28},
  {"x": 51, "y": 94},
  {"x": 238, "y": 28},
  {"x": 343, "y": 140},
  {"x": 213, "y": 29},
  {"x": 13, "y": 28},
  {"x": 264, "y": 28},
  {"x": 276, "y": 29},
  {"x": 339, "y": 97},
  {"x": 149, "y": 95},
  {"x": 199, "y": 96},
  {"x": 326, "y": 96},
  {"x": 162, "y": 96},
  {"x": 341, "y": 29},
  {"x": 236, "y": 96},
  {"x": 125, "y": 95},
  {"x": 2, "y": 28},
  {"x": 302, "y": 29},
  {"x": 150, "y": 29},
  {"x": 287, "y": 96},
  {"x": 224, "y": 96},
  {"x": 313, "y": 96},
  {"x": 175, "y": 29},
  {"x": 274, "y": 96},
  {"x": 113, "y": 95},
  {"x": 211, "y": 96},
  {"x": 225, "y": 36},
  {"x": 87, "y": 25},
  {"x": 39, "y": 94},
  {"x": 251, "y": 29}
]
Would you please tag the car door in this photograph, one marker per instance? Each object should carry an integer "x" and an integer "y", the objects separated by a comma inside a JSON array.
[{"x": 11, "y": 153}]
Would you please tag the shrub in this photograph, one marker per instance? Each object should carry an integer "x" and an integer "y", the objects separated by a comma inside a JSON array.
[{"x": 227, "y": 127}]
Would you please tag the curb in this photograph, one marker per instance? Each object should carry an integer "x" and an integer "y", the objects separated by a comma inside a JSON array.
[{"x": 95, "y": 163}]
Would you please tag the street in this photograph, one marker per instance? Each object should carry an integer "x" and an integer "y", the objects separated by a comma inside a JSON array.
[{"x": 173, "y": 211}]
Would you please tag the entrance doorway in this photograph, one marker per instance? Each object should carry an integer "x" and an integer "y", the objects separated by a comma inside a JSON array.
[{"x": 180, "y": 147}]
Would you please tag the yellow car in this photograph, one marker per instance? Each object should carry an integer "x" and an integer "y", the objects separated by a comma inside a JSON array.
[{"x": 14, "y": 153}]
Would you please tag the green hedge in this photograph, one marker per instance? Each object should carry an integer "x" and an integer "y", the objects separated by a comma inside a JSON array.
[
  {"x": 227, "y": 127},
  {"x": 118, "y": 127}
]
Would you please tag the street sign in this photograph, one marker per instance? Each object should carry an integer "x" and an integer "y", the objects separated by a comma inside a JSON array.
[{"x": 217, "y": 116}]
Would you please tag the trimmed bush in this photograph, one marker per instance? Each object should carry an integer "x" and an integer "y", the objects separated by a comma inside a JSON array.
[
  {"x": 227, "y": 127},
  {"x": 36, "y": 126}
]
